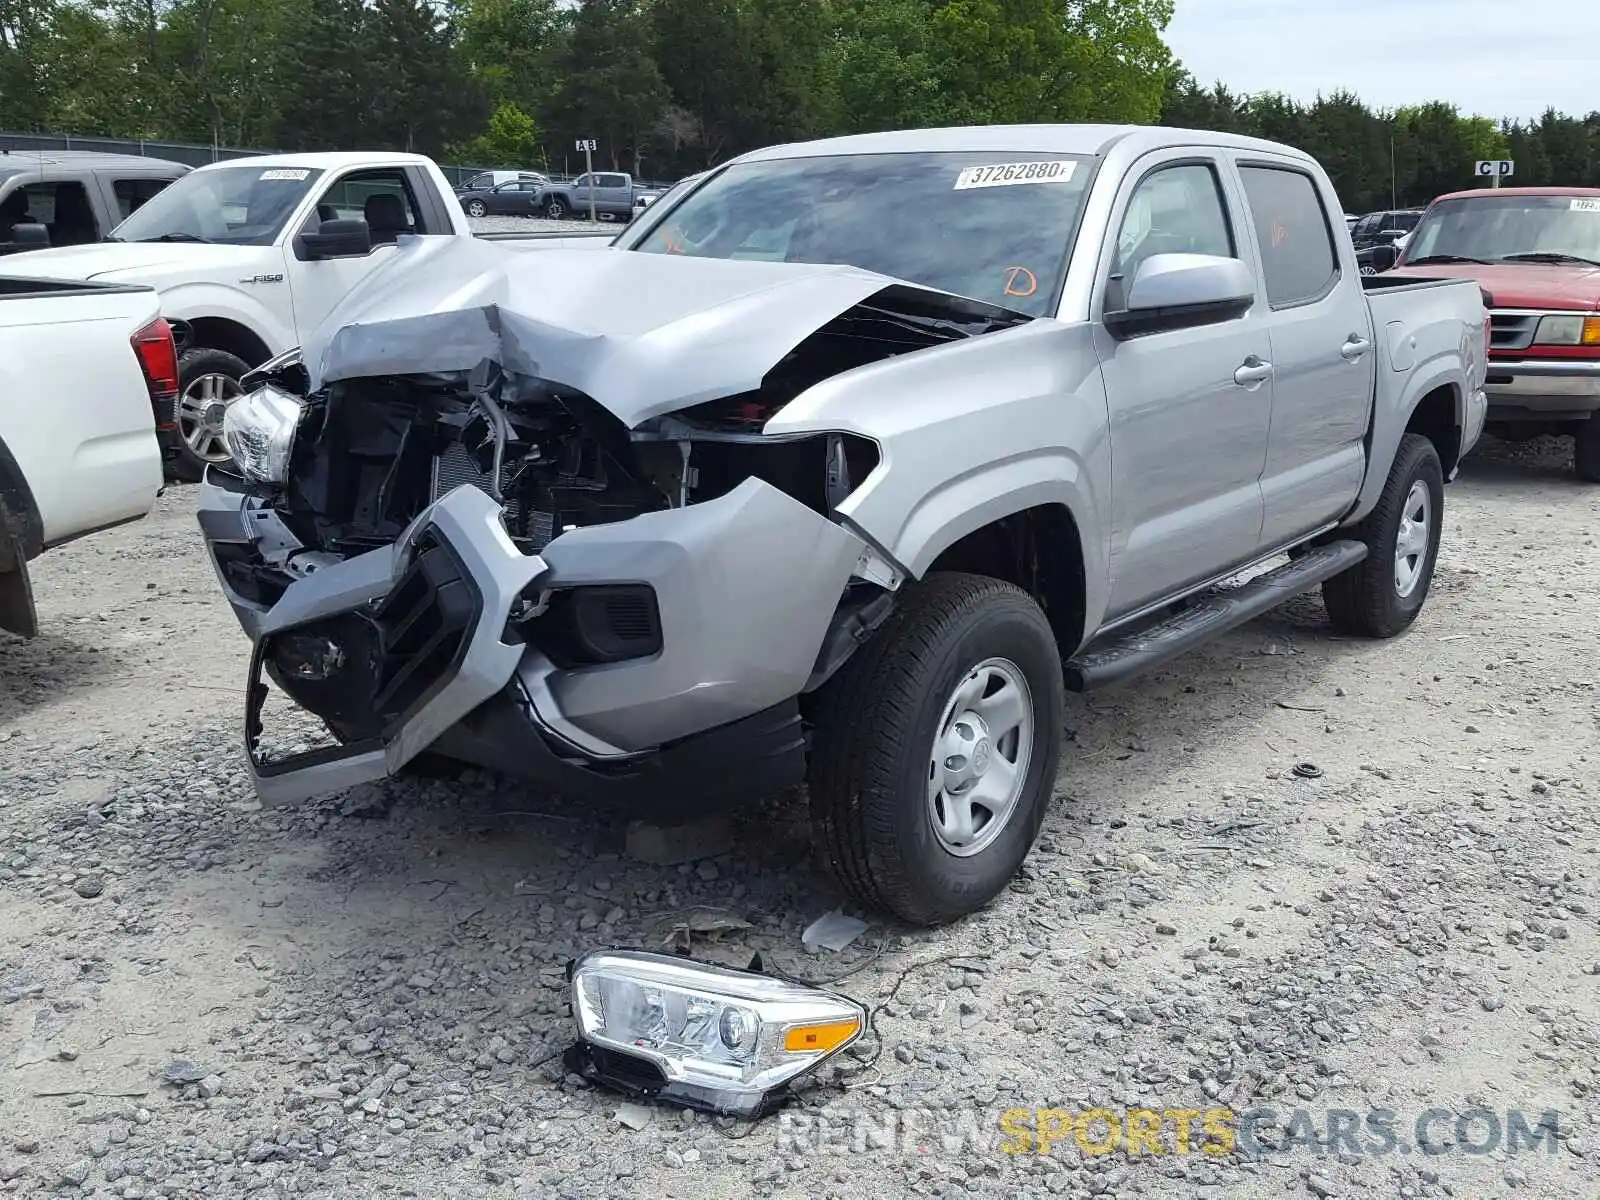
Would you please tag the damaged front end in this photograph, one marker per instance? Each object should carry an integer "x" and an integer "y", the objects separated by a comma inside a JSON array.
[{"x": 489, "y": 562}]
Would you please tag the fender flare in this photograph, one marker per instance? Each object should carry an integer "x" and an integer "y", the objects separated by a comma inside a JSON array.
[{"x": 1384, "y": 439}]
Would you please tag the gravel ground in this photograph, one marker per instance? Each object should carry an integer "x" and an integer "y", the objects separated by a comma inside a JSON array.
[
  {"x": 362, "y": 997},
  {"x": 536, "y": 225}
]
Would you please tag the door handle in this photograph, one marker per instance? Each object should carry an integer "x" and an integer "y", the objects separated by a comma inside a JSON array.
[
  {"x": 1252, "y": 372},
  {"x": 1354, "y": 347}
]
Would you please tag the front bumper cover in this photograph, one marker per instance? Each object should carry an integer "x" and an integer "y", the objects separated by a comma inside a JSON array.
[
  {"x": 1542, "y": 389},
  {"x": 747, "y": 584}
]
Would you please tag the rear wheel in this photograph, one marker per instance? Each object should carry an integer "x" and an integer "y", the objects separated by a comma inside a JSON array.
[
  {"x": 935, "y": 749},
  {"x": 1586, "y": 450},
  {"x": 208, "y": 381},
  {"x": 1382, "y": 595}
]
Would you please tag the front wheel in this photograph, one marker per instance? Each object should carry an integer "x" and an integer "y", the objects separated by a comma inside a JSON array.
[
  {"x": 1382, "y": 595},
  {"x": 476, "y": 208},
  {"x": 208, "y": 381},
  {"x": 555, "y": 208},
  {"x": 935, "y": 749},
  {"x": 1586, "y": 450}
]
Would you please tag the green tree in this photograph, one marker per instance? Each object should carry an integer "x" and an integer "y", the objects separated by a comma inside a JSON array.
[
  {"x": 611, "y": 89},
  {"x": 510, "y": 140}
]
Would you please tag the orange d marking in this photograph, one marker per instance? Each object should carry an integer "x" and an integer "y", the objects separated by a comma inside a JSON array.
[{"x": 1021, "y": 282}]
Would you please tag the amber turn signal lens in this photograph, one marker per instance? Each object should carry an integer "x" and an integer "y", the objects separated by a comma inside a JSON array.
[{"x": 827, "y": 1036}]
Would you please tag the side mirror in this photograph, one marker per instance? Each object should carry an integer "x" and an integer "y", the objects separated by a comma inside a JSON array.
[
  {"x": 335, "y": 239},
  {"x": 26, "y": 237},
  {"x": 1389, "y": 235},
  {"x": 1180, "y": 291}
]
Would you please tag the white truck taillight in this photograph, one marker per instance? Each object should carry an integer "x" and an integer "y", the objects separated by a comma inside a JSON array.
[{"x": 158, "y": 359}]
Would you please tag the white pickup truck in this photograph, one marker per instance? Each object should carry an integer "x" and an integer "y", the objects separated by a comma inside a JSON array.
[
  {"x": 104, "y": 352},
  {"x": 249, "y": 255}
]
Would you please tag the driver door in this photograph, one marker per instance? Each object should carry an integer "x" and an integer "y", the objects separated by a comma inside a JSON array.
[
  {"x": 1190, "y": 409},
  {"x": 318, "y": 285}
]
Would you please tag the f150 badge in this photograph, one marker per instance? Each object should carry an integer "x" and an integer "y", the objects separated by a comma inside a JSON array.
[{"x": 278, "y": 278}]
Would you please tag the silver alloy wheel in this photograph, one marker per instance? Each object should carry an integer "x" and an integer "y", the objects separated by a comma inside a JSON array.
[
  {"x": 1369, "y": 270},
  {"x": 200, "y": 407},
  {"x": 555, "y": 210},
  {"x": 476, "y": 209},
  {"x": 1411, "y": 542},
  {"x": 979, "y": 761}
]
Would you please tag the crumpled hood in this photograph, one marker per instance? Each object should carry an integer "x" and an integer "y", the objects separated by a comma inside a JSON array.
[
  {"x": 133, "y": 260},
  {"x": 1522, "y": 285},
  {"x": 641, "y": 334}
]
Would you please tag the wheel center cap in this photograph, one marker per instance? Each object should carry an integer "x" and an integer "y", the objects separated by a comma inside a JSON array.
[
  {"x": 982, "y": 753},
  {"x": 213, "y": 415}
]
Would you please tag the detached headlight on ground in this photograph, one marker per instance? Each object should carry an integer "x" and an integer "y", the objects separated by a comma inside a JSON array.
[
  {"x": 258, "y": 430},
  {"x": 699, "y": 1035}
]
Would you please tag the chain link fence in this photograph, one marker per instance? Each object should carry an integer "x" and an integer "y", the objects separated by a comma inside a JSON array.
[{"x": 196, "y": 155}]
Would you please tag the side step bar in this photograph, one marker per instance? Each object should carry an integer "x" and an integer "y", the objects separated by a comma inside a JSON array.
[{"x": 1122, "y": 655}]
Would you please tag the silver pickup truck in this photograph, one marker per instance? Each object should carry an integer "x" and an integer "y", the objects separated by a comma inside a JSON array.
[{"x": 840, "y": 466}]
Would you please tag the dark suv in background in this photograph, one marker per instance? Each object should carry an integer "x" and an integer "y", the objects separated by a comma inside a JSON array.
[{"x": 1382, "y": 228}]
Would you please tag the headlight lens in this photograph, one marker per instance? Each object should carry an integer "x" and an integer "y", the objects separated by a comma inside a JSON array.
[
  {"x": 704, "y": 1036},
  {"x": 1561, "y": 330},
  {"x": 259, "y": 429}
]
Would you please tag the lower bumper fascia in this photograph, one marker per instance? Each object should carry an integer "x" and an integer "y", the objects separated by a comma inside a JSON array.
[{"x": 748, "y": 758}]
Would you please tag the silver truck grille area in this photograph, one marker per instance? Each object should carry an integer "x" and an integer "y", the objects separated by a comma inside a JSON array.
[{"x": 455, "y": 467}]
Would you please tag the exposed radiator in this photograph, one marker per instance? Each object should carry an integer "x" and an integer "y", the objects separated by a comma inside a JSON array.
[{"x": 455, "y": 467}]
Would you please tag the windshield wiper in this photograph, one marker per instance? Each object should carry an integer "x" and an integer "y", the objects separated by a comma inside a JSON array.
[
  {"x": 178, "y": 237},
  {"x": 1546, "y": 256},
  {"x": 1446, "y": 258}
]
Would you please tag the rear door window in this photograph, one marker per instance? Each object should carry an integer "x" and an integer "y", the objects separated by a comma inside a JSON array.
[
  {"x": 613, "y": 181},
  {"x": 131, "y": 194},
  {"x": 1293, "y": 233}
]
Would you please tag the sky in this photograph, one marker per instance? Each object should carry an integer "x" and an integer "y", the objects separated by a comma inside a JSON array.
[{"x": 1494, "y": 58}]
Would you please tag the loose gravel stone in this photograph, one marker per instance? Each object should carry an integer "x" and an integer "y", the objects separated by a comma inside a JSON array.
[{"x": 356, "y": 1007}]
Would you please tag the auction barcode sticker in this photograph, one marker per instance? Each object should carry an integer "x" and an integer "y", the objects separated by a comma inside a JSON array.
[
  {"x": 284, "y": 173},
  {"x": 1011, "y": 174},
  {"x": 1589, "y": 204}
]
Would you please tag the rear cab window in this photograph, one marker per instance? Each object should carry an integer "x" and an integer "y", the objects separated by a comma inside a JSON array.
[{"x": 1298, "y": 255}]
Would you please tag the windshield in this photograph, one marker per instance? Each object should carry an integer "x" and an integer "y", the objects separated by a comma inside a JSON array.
[
  {"x": 239, "y": 206},
  {"x": 992, "y": 226},
  {"x": 1496, "y": 228}
]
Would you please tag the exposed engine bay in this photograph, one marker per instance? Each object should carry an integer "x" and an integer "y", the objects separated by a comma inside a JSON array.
[{"x": 372, "y": 453}]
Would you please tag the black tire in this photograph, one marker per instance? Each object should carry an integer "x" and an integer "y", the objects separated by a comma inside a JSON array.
[
  {"x": 1586, "y": 450},
  {"x": 194, "y": 365},
  {"x": 875, "y": 727},
  {"x": 476, "y": 208},
  {"x": 556, "y": 208},
  {"x": 1366, "y": 600}
]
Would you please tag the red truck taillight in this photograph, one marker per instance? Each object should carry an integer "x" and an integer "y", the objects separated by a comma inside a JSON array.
[{"x": 158, "y": 358}]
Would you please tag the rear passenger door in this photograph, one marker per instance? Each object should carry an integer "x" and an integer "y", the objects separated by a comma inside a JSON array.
[
  {"x": 1322, "y": 351},
  {"x": 1189, "y": 408}
]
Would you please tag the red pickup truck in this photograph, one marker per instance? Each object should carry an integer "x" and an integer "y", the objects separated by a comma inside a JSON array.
[{"x": 1536, "y": 254}]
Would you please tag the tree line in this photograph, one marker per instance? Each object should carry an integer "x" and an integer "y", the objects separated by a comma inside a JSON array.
[{"x": 667, "y": 87}]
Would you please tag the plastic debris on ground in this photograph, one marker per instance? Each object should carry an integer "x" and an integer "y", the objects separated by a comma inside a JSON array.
[{"x": 835, "y": 931}]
